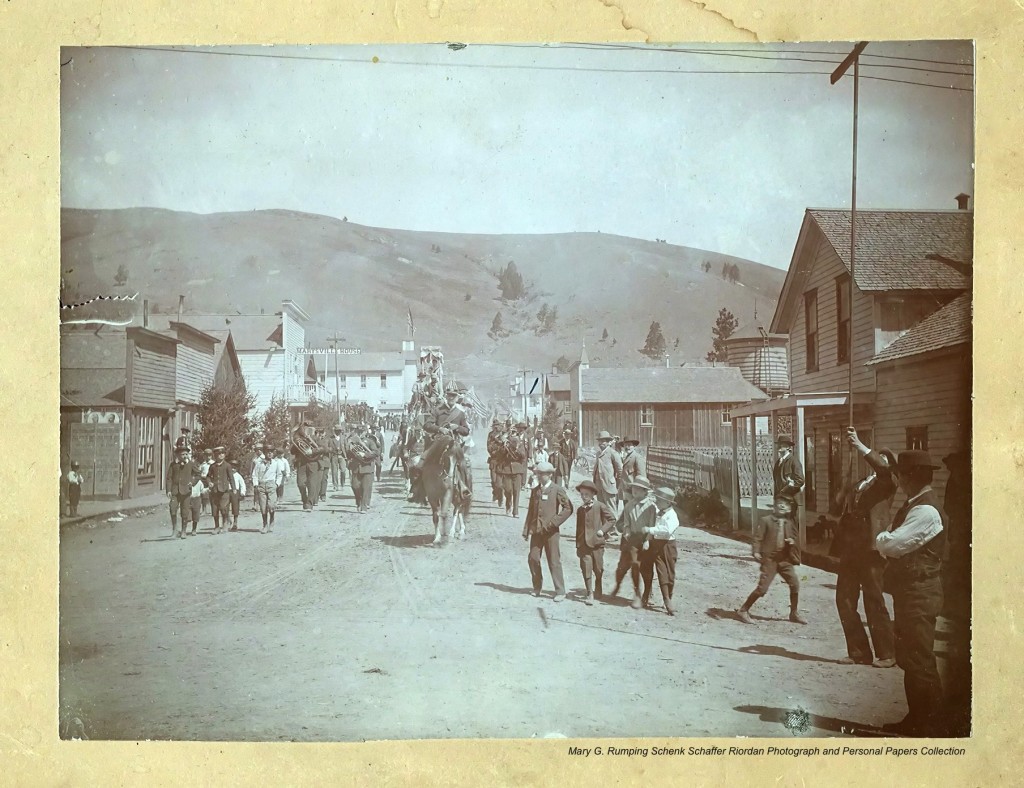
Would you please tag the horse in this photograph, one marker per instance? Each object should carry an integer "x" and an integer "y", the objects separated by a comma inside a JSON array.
[{"x": 447, "y": 492}]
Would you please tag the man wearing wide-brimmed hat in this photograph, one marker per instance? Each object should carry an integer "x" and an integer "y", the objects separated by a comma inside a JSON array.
[
  {"x": 607, "y": 470},
  {"x": 787, "y": 473},
  {"x": 594, "y": 520},
  {"x": 549, "y": 508},
  {"x": 639, "y": 514},
  {"x": 913, "y": 546}
]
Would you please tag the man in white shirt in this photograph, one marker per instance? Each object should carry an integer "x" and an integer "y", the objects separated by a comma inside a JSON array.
[
  {"x": 662, "y": 553},
  {"x": 913, "y": 546},
  {"x": 286, "y": 468},
  {"x": 74, "y": 479}
]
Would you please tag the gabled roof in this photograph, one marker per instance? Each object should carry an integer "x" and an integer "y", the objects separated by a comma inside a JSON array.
[
  {"x": 948, "y": 327},
  {"x": 649, "y": 385},
  {"x": 92, "y": 388},
  {"x": 753, "y": 331},
  {"x": 249, "y": 332},
  {"x": 387, "y": 361},
  {"x": 896, "y": 250},
  {"x": 558, "y": 383}
]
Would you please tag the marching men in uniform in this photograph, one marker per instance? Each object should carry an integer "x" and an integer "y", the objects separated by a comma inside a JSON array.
[
  {"x": 512, "y": 469},
  {"x": 362, "y": 452},
  {"x": 307, "y": 453}
]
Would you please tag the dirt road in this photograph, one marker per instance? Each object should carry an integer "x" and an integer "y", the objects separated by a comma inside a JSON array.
[{"x": 341, "y": 626}]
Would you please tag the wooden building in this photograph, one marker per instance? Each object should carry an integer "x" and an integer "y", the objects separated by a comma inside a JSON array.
[
  {"x": 761, "y": 357},
  {"x": 910, "y": 264},
  {"x": 664, "y": 406},
  {"x": 923, "y": 397},
  {"x": 558, "y": 391},
  {"x": 383, "y": 380}
]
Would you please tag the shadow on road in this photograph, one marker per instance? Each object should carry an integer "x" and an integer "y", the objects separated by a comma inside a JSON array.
[
  {"x": 744, "y": 558},
  {"x": 778, "y": 651},
  {"x": 720, "y": 614},
  {"x": 796, "y": 721},
  {"x": 411, "y": 540},
  {"x": 506, "y": 589}
]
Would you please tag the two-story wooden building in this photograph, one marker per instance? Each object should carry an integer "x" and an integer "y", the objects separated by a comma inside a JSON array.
[
  {"x": 383, "y": 380},
  {"x": 909, "y": 264}
]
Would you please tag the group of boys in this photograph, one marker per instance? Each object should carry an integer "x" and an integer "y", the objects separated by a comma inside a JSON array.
[
  {"x": 217, "y": 481},
  {"x": 646, "y": 528}
]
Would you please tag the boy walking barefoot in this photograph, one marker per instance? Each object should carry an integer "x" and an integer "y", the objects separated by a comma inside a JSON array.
[
  {"x": 775, "y": 546},
  {"x": 593, "y": 519}
]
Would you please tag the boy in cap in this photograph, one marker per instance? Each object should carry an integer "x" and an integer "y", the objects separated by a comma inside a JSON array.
[
  {"x": 549, "y": 508},
  {"x": 662, "y": 554},
  {"x": 593, "y": 521},
  {"x": 181, "y": 478},
  {"x": 638, "y": 515},
  {"x": 220, "y": 482},
  {"x": 776, "y": 546},
  {"x": 267, "y": 476},
  {"x": 204, "y": 468}
]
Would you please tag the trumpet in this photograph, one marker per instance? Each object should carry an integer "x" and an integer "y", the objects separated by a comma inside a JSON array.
[{"x": 304, "y": 445}]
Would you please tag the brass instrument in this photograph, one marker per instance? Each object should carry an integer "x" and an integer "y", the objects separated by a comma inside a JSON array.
[{"x": 304, "y": 445}]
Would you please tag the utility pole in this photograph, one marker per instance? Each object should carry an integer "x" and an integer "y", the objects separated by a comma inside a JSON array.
[
  {"x": 337, "y": 385},
  {"x": 852, "y": 59},
  {"x": 523, "y": 372}
]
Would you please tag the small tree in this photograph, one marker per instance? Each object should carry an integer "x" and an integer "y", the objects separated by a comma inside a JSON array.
[
  {"x": 655, "y": 345},
  {"x": 224, "y": 420},
  {"x": 675, "y": 345},
  {"x": 542, "y": 315},
  {"x": 725, "y": 325},
  {"x": 276, "y": 423},
  {"x": 510, "y": 283},
  {"x": 563, "y": 364},
  {"x": 497, "y": 327},
  {"x": 121, "y": 277},
  {"x": 604, "y": 335},
  {"x": 550, "y": 319},
  {"x": 468, "y": 297},
  {"x": 322, "y": 415},
  {"x": 614, "y": 341}
]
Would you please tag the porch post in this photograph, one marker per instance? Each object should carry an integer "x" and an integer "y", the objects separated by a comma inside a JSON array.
[
  {"x": 734, "y": 480},
  {"x": 754, "y": 513},
  {"x": 801, "y": 455}
]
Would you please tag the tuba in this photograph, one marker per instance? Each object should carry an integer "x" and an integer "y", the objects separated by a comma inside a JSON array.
[{"x": 303, "y": 444}]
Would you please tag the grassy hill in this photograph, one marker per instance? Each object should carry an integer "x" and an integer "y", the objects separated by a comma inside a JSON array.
[{"x": 361, "y": 281}]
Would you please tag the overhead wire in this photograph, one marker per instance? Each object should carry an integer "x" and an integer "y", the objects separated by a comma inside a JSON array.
[{"x": 522, "y": 67}]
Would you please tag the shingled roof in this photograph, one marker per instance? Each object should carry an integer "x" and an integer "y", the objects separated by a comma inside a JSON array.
[
  {"x": 92, "y": 388},
  {"x": 680, "y": 385},
  {"x": 249, "y": 332},
  {"x": 948, "y": 327},
  {"x": 558, "y": 382},
  {"x": 897, "y": 250}
]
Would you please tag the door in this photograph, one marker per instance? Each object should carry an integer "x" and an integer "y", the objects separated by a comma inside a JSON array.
[{"x": 835, "y": 469}]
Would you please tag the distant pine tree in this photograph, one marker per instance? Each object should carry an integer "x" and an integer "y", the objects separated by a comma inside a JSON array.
[
  {"x": 604, "y": 335},
  {"x": 725, "y": 325},
  {"x": 655, "y": 345}
]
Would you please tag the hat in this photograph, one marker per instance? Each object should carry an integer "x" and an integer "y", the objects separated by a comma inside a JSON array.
[
  {"x": 207, "y": 451},
  {"x": 630, "y": 442},
  {"x": 586, "y": 484},
  {"x": 74, "y": 464},
  {"x": 604, "y": 435},
  {"x": 186, "y": 430},
  {"x": 641, "y": 481},
  {"x": 232, "y": 461},
  {"x": 219, "y": 450},
  {"x": 179, "y": 449},
  {"x": 665, "y": 493},
  {"x": 278, "y": 450},
  {"x": 522, "y": 425},
  {"x": 781, "y": 499},
  {"x": 544, "y": 467},
  {"x": 337, "y": 428},
  {"x": 783, "y": 440},
  {"x": 914, "y": 458},
  {"x": 954, "y": 457}
]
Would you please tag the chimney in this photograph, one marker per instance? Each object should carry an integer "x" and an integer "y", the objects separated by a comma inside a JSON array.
[
  {"x": 145, "y": 313},
  {"x": 963, "y": 201},
  {"x": 181, "y": 306}
]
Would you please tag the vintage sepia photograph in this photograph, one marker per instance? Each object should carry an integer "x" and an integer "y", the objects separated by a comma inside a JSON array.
[{"x": 512, "y": 391}]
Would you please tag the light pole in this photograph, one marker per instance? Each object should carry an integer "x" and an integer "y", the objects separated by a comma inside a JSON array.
[{"x": 852, "y": 59}]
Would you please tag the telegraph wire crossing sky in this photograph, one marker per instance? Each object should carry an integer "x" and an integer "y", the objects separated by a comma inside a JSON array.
[{"x": 716, "y": 147}]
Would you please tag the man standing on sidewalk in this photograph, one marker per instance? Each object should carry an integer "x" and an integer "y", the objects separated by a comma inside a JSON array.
[
  {"x": 74, "y": 489},
  {"x": 181, "y": 478},
  {"x": 549, "y": 508},
  {"x": 787, "y": 473}
]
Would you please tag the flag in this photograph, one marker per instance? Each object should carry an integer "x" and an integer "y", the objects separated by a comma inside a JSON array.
[{"x": 412, "y": 326}]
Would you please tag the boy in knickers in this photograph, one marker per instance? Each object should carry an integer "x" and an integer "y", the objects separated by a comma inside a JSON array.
[{"x": 776, "y": 546}]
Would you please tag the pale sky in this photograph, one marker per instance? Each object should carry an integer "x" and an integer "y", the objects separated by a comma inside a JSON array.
[{"x": 505, "y": 139}]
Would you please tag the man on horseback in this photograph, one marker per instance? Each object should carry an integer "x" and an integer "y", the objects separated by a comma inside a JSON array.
[{"x": 449, "y": 420}]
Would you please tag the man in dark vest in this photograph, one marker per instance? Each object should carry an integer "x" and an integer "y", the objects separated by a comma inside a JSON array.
[
  {"x": 181, "y": 478},
  {"x": 788, "y": 475},
  {"x": 866, "y": 505},
  {"x": 913, "y": 546}
]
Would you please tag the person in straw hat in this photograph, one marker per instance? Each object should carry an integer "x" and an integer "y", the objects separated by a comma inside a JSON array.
[
  {"x": 607, "y": 470},
  {"x": 913, "y": 547},
  {"x": 660, "y": 556},
  {"x": 638, "y": 514},
  {"x": 593, "y": 522},
  {"x": 549, "y": 508}
]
